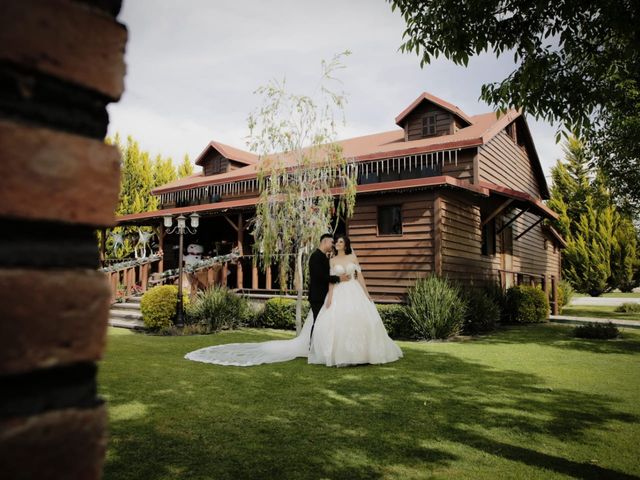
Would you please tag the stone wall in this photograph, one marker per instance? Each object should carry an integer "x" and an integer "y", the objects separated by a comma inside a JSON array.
[{"x": 61, "y": 64}]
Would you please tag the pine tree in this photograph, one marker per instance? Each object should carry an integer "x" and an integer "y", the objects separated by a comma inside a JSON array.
[
  {"x": 624, "y": 254},
  {"x": 579, "y": 195},
  {"x": 139, "y": 176},
  {"x": 186, "y": 167},
  {"x": 588, "y": 253}
]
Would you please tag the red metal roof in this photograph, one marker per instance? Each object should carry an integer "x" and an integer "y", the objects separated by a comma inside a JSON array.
[
  {"x": 229, "y": 152},
  {"x": 372, "y": 147}
]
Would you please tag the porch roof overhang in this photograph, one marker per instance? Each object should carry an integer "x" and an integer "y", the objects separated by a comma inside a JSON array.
[
  {"x": 521, "y": 200},
  {"x": 155, "y": 216},
  {"x": 485, "y": 189}
]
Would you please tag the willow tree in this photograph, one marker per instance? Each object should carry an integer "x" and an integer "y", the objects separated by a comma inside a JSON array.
[{"x": 304, "y": 179}]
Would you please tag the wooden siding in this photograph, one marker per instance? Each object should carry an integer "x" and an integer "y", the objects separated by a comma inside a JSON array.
[
  {"x": 413, "y": 125},
  {"x": 391, "y": 263},
  {"x": 461, "y": 244},
  {"x": 215, "y": 164},
  {"x": 529, "y": 254},
  {"x": 461, "y": 241},
  {"x": 503, "y": 162},
  {"x": 464, "y": 168}
]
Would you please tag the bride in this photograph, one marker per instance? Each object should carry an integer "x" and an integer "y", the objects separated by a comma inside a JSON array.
[{"x": 348, "y": 329}]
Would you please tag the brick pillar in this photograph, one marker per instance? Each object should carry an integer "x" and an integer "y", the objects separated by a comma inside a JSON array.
[{"x": 61, "y": 64}]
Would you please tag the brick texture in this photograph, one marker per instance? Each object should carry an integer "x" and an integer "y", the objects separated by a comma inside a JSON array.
[
  {"x": 49, "y": 175},
  {"x": 51, "y": 318},
  {"x": 67, "y": 40},
  {"x": 67, "y": 444}
]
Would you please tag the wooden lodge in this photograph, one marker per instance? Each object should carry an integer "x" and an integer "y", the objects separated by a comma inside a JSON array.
[{"x": 447, "y": 193}]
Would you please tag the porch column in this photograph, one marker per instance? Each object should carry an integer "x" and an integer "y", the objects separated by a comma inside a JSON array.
[
  {"x": 554, "y": 286},
  {"x": 268, "y": 282},
  {"x": 437, "y": 235},
  {"x": 103, "y": 245},
  {"x": 161, "y": 247},
  {"x": 254, "y": 274},
  {"x": 240, "y": 250}
]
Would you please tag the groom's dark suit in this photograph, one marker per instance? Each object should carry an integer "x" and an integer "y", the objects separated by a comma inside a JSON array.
[{"x": 319, "y": 279}]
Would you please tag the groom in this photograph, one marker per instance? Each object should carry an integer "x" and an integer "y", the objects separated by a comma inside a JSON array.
[{"x": 319, "y": 277}]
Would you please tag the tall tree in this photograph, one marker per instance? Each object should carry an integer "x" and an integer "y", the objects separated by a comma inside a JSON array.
[
  {"x": 299, "y": 167},
  {"x": 579, "y": 194},
  {"x": 140, "y": 175},
  {"x": 578, "y": 63},
  {"x": 588, "y": 252},
  {"x": 186, "y": 167}
]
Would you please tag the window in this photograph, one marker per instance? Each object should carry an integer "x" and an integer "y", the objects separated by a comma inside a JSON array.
[
  {"x": 511, "y": 131},
  {"x": 390, "y": 220},
  {"x": 507, "y": 240},
  {"x": 429, "y": 125},
  {"x": 489, "y": 238}
]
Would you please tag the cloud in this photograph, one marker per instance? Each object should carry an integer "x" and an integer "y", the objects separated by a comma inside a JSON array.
[{"x": 193, "y": 65}]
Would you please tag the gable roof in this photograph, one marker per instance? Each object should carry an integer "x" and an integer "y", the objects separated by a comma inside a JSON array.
[
  {"x": 481, "y": 129},
  {"x": 229, "y": 152},
  {"x": 426, "y": 96}
]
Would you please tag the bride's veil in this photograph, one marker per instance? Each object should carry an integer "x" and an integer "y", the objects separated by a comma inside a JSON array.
[{"x": 248, "y": 354}]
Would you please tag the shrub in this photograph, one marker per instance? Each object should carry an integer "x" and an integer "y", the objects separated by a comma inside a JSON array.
[
  {"x": 565, "y": 294},
  {"x": 188, "y": 329},
  {"x": 482, "y": 313},
  {"x": 526, "y": 304},
  {"x": 281, "y": 313},
  {"x": 436, "y": 308},
  {"x": 628, "y": 307},
  {"x": 158, "y": 306},
  {"x": 218, "y": 308},
  {"x": 255, "y": 314},
  {"x": 596, "y": 330},
  {"x": 396, "y": 321}
]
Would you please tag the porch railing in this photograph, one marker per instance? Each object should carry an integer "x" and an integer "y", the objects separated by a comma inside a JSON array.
[{"x": 128, "y": 277}]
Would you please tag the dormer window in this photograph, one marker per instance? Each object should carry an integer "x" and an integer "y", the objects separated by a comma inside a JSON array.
[{"x": 429, "y": 124}]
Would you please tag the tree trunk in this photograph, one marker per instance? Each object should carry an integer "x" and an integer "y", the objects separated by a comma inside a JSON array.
[{"x": 299, "y": 286}]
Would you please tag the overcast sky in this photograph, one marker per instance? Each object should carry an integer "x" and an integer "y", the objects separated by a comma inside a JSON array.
[{"x": 192, "y": 67}]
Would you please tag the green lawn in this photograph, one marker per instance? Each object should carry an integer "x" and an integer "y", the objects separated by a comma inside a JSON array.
[
  {"x": 524, "y": 403},
  {"x": 613, "y": 295},
  {"x": 598, "y": 311}
]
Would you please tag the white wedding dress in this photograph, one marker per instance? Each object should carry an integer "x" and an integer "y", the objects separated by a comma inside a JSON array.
[{"x": 348, "y": 332}]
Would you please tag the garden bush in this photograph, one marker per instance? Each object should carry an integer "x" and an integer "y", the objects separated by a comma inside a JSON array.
[
  {"x": 281, "y": 313},
  {"x": 565, "y": 294},
  {"x": 596, "y": 330},
  {"x": 218, "y": 308},
  {"x": 482, "y": 312},
  {"x": 158, "y": 306},
  {"x": 396, "y": 321},
  {"x": 628, "y": 307},
  {"x": 526, "y": 304},
  {"x": 436, "y": 308}
]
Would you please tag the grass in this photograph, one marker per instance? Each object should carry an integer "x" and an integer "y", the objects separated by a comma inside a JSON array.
[
  {"x": 525, "y": 403},
  {"x": 598, "y": 311},
  {"x": 612, "y": 295}
]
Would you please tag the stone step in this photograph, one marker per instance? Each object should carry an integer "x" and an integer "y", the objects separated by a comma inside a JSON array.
[
  {"x": 123, "y": 323},
  {"x": 125, "y": 314},
  {"x": 125, "y": 306},
  {"x": 134, "y": 299}
]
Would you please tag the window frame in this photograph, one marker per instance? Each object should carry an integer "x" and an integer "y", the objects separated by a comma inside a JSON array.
[
  {"x": 391, "y": 205},
  {"x": 426, "y": 119},
  {"x": 491, "y": 252}
]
